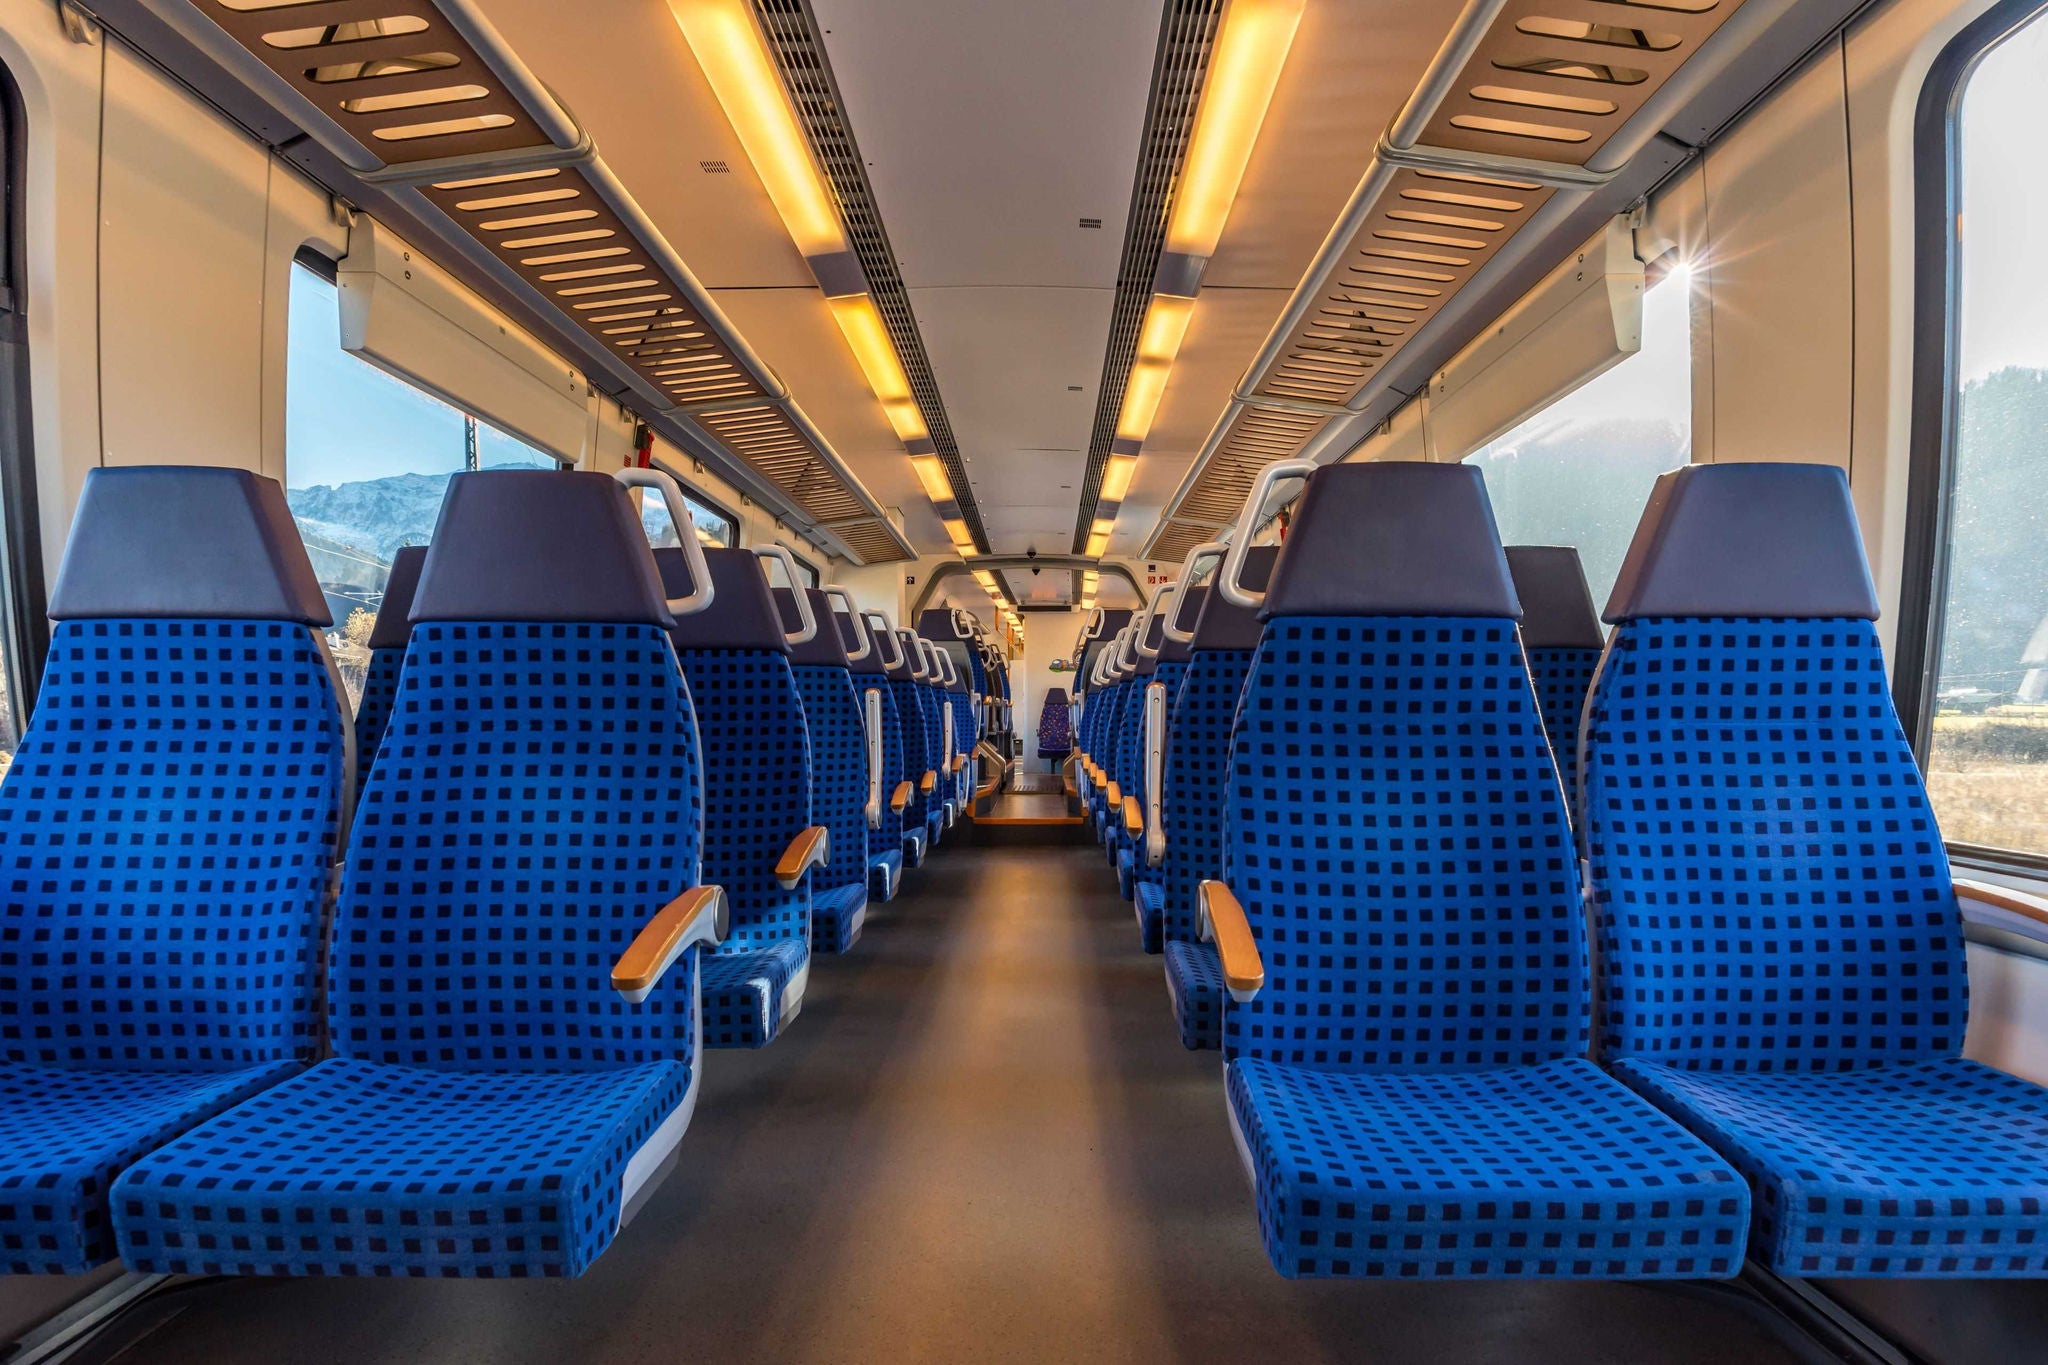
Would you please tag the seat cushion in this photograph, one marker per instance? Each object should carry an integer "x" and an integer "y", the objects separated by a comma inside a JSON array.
[
  {"x": 750, "y": 992},
  {"x": 1126, "y": 868},
  {"x": 1194, "y": 979},
  {"x": 363, "y": 1168},
  {"x": 1150, "y": 901},
  {"x": 65, "y": 1134},
  {"x": 1917, "y": 1169},
  {"x": 1551, "y": 1170},
  {"x": 836, "y": 917},
  {"x": 885, "y": 875}
]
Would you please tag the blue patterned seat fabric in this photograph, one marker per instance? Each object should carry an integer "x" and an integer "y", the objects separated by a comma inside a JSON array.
[
  {"x": 885, "y": 841},
  {"x": 1783, "y": 956},
  {"x": 493, "y": 1107},
  {"x": 1055, "y": 726},
  {"x": 839, "y": 775},
  {"x": 167, "y": 830},
  {"x": 1410, "y": 1087},
  {"x": 936, "y": 747},
  {"x": 757, "y": 795},
  {"x": 1197, "y": 762},
  {"x": 1561, "y": 640},
  {"x": 918, "y": 759},
  {"x": 1148, "y": 882},
  {"x": 387, "y": 653}
]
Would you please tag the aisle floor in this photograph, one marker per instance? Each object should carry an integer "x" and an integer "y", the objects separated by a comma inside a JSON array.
[{"x": 981, "y": 1141}]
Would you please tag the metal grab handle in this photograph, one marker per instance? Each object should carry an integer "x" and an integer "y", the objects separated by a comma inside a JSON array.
[
  {"x": 1127, "y": 649},
  {"x": 807, "y": 621},
  {"x": 701, "y": 590},
  {"x": 946, "y": 737},
  {"x": 1093, "y": 626},
  {"x": 920, "y": 669},
  {"x": 871, "y": 721},
  {"x": 884, "y": 633},
  {"x": 949, "y": 672},
  {"x": 1170, "y": 590},
  {"x": 1234, "y": 592},
  {"x": 1155, "y": 772},
  {"x": 1207, "y": 549},
  {"x": 860, "y": 627}
]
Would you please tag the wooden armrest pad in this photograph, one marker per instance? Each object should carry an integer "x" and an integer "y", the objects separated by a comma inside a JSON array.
[
  {"x": 812, "y": 846},
  {"x": 1134, "y": 817},
  {"x": 1244, "y": 971},
  {"x": 1115, "y": 795},
  {"x": 697, "y": 916},
  {"x": 928, "y": 781},
  {"x": 959, "y": 762},
  {"x": 901, "y": 797},
  {"x": 2021, "y": 903}
]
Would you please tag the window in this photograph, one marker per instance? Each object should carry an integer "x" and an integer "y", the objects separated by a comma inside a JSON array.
[
  {"x": 1579, "y": 472},
  {"x": 716, "y": 527},
  {"x": 24, "y": 630},
  {"x": 811, "y": 577},
  {"x": 367, "y": 458},
  {"x": 1984, "y": 709}
]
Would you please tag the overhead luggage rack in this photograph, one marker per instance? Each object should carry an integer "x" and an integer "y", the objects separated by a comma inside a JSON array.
[{"x": 419, "y": 101}]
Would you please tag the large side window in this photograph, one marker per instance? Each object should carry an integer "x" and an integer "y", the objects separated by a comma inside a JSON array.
[
  {"x": 1984, "y": 708},
  {"x": 367, "y": 458},
  {"x": 1578, "y": 472},
  {"x": 715, "y": 527},
  {"x": 24, "y": 634}
]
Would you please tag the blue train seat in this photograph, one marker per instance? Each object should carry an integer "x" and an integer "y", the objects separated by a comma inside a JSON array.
[
  {"x": 759, "y": 841},
  {"x": 952, "y": 633},
  {"x": 1168, "y": 668},
  {"x": 870, "y": 646},
  {"x": 1197, "y": 759},
  {"x": 387, "y": 654},
  {"x": 920, "y": 749},
  {"x": 941, "y": 810},
  {"x": 1782, "y": 956},
  {"x": 839, "y": 770},
  {"x": 1561, "y": 640},
  {"x": 1406, "y": 1038},
  {"x": 168, "y": 828},
  {"x": 514, "y": 1031},
  {"x": 1127, "y": 821}
]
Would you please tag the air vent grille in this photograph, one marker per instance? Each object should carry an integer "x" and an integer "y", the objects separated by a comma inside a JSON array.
[
  {"x": 1187, "y": 31},
  {"x": 799, "y": 50}
]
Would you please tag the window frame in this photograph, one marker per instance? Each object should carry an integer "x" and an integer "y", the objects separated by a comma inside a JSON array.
[
  {"x": 1936, "y": 341},
  {"x": 815, "y": 577},
  {"x": 24, "y": 600},
  {"x": 703, "y": 500}
]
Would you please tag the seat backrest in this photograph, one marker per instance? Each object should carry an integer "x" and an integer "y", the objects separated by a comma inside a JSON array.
[
  {"x": 535, "y": 799},
  {"x": 387, "y": 655},
  {"x": 1199, "y": 719},
  {"x": 1130, "y": 751},
  {"x": 1561, "y": 640},
  {"x": 1397, "y": 834},
  {"x": 871, "y": 676},
  {"x": 1055, "y": 724},
  {"x": 839, "y": 758},
  {"x": 168, "y": 826},
  {"x": 1772, "y": 890},
  {"x": 757, "y": 758},
  {"x": 913, "y": 706}
]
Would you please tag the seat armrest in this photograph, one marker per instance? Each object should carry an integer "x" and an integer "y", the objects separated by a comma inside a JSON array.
[
  {"x": 1134, "y": 817},
  {"x": 928, "y": 781},
  {"x": 699, "y": 915},
  {"x": 959, "y": 762},
  {"x": 811, "y": 848},
  {"x": 900, "y": 798},
  {"x": 1244, "y": 971}
]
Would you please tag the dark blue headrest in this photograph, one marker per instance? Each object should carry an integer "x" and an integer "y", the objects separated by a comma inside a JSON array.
[
  {"x": 1225, "y": 625},
  {"x": 742, "y": 613},
  {"x": 394, "y": 614},
  {"x": 186, "y": 541},
  {"x": 1557, "y": 607},
  {"x": 1112, "y": 622},
  {"x": 938, "y": 623},
  {"x": 1747, "y": 540},
  {"x": 538, "y": 545},
  {"x": 849, "y": 639},
  {"x": 1055, "y": 696},
  {"x": 1155, "y": 640},
  {"x": 1186, "y": 609},
  {"x": 824, "y": 648},
  {"x": 1392, "y": 538},
  {"x": 906, "y": 658}
]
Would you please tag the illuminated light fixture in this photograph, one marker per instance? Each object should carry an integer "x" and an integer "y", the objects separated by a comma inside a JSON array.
[
  {"x": 931, "y": 472},
  {"x": 1098, "y": 541},
  {"x": 728, "y": 46},
  {"x": 1117, "y": 476},
  {"x": 868, "y": 338},
  {"x": 1252, "y": 41}
]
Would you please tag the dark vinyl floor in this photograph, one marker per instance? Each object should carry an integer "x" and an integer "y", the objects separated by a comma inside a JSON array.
[{"x": 980, "y": 1141}]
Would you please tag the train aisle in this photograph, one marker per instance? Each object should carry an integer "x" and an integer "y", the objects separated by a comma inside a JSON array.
[{"x": 981, "y": 1141}]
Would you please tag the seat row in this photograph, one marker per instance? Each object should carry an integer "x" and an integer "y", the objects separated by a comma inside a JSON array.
[
  {"x": 444, "y": 1016},
  {"x": 1418, "y": 838}
]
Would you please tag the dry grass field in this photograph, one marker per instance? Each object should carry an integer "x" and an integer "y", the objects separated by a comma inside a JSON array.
[{"x": 1988, "y": 778}]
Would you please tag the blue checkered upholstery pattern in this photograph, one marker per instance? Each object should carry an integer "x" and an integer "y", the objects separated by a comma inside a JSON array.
[
  {"x": 1411, "y": 1084},
  {"x": 167, "y": 828},
  {"x": 839, "y": 795},
  {"x": 1149, "y": 891},
  {"x": 936, "y": 743},
  {"x": 919, "y": 758},
  {"x": 1792, "y": 986},
  {"x": 535, "y": 802},
  {"x": 1194, "y": 982},
  {"x": 966, "y": 734},
  {"x": 1562, "y": 677},
  {"x": 373, "y": 710},
  {"x": 1544, "y": 1171},
  {"x": 1197, "y": 761},
  {"x": 1055, "y": 728},
  {"x": 885, "y": 842},
  {"x": 757, "y": 798}
]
